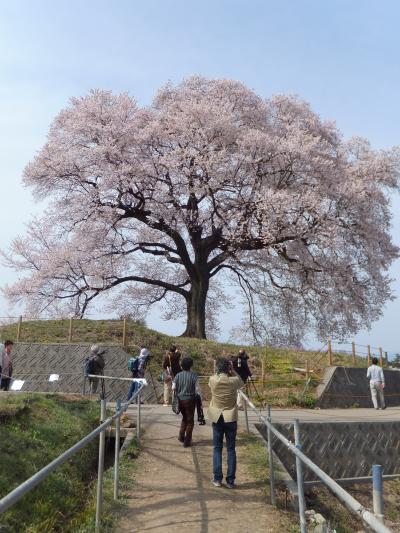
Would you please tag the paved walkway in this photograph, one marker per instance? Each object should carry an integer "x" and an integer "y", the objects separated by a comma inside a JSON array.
[
  {"x": 331, "y": 415},
  {"x": 173, "y": 490}
]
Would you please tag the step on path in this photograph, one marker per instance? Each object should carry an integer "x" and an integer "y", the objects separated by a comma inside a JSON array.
[{"x": 173, "y": 490}]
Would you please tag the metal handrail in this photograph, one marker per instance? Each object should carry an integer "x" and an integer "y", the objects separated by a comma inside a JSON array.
[
  {"x": 16, "y": 494},
  {"x": 351, "y": 503}
]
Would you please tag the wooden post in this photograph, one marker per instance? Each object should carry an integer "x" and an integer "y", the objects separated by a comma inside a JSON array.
[
  {"x": 70, "y": 330},
  {"x": 307, "y": 369},
  {"x": 369, "y": 355},
  {"x": 19, "y": 328},
  {"x": 124, "y": 333},
  {"x": 380, "y": 356},
  {"x": 262, "y": 373},
  {"x": 353, "y": 349},
  {"x": 330, "y": 360}
]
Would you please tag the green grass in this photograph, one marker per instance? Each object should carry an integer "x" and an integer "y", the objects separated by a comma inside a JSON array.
[
  {"x": 85, "y": 521},
  {"x": 34, "y": 430}
]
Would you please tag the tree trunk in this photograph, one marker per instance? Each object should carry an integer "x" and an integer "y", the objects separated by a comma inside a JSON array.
[{"x": 196, "y": 309}]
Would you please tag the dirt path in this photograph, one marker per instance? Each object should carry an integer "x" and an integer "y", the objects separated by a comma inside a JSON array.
[{"x": 174, "y": 492}]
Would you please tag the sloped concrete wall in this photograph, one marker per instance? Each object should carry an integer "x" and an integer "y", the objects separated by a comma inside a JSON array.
[
  {"x": 342, "y": 450},
  {"x": 349, "y": 387},
  {"x": 35, "y": 362}
]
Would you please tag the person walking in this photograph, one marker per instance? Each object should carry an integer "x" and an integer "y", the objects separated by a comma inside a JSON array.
[
  {"x": 223, "y": 412},
  {"x": 138, "y": 369},
  {"x": 185, "y": 386},
  {"x": 171, "y": 368},
  {"x": 376, "y": 383},
  {"x": 6, "y": 366},
  {"x": 96, "y": 366}
]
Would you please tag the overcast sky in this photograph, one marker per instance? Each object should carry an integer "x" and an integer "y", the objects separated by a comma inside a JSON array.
[{"x": 341, "y": 56}]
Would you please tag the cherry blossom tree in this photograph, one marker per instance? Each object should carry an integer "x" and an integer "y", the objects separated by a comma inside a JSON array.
[{"x": 210, "y": 185}]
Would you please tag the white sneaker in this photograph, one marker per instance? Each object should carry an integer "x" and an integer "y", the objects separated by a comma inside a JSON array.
[{"x": 216, "y": 483}]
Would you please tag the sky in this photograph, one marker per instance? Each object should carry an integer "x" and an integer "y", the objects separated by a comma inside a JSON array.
[{"x": 340, "y": 56}]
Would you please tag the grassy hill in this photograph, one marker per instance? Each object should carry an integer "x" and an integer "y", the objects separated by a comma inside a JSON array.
[{"x": 282, "y": 384}]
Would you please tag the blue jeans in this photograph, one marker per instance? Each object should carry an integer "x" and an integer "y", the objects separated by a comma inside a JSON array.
[
  {"x": 229, "y": 429},
  {"x": 132, "y": 389}
]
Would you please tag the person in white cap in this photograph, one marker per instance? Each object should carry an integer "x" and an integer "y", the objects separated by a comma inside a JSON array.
[
  {"x": 138, "y": 370},
  {"x": 96, "y": 366}
]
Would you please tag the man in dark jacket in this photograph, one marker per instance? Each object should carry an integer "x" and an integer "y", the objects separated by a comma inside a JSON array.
[{"x": 241, "y": 366}]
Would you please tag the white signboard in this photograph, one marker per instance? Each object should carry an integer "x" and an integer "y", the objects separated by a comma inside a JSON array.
[{"x": 17, "y": 384}]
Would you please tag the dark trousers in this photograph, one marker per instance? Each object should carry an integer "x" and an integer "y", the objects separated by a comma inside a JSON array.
[
  {"x": 5, "y": 383},
  {"x": 229, "y": 429},
  {"x": 186, "y": 429},
  {"x": 199, "y": 408}
]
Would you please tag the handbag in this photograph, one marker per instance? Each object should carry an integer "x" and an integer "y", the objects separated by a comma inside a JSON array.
[{"x": 175, "y": 404}]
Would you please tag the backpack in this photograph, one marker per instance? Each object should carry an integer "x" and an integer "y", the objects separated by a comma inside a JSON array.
[
  {"x": 133, "y": 364},
  {"x": 90, "y": 366}
]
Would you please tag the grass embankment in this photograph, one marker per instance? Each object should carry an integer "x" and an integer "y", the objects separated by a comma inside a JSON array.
[
  {"x": 282, "y": 386},
  {"x": 35, "y": 429}
]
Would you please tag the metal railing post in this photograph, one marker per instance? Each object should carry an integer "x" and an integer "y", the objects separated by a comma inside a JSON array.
[
  {"x": 138, "y": 418},
  {"x": 300, "y": 486},
  {"x": 100, "y": 470},
  {"x": 377, "y": 491},
  {"x": 117, "y": 446},
  {"x": 246, "y": 416},
  {"x": 271, "y": 461}
]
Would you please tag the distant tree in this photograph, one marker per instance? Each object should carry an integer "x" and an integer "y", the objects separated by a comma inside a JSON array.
[
  {"x": 210, "y": 180},
  {"x": 395, "y": 362}
]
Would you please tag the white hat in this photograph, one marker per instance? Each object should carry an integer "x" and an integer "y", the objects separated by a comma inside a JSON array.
[
  {"x": 95, "y": 349},
  {"x": 144, "y": 352}
]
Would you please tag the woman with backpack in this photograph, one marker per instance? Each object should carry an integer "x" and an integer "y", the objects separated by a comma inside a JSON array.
[
  {"x": 171, "y": 367},
  {"x": 137, "y": 365}
]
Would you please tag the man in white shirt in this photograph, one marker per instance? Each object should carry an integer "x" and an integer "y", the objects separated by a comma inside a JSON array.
[{"x": 376, "y": 383}]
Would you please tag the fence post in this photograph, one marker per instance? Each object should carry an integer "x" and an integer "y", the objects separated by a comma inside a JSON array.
[
  {"x": 138, "y": 418},
  {"x": 19, "y": 325},
  {"x": 380, "y": 357},
  {"x": 307, "y": 368},
  {"x": 116, "y": 455},
  {"x": 271, "y": 460},
  {"x": 246, "y": 416},
  {"x": 70, "y": 329},
  {"x": 100, "y": 469},
  {"x": 330, "y": 352},
  {"x": 262, "y": 372},
  {"x": 369, "y": 355},
  {"x": 377, "y": 491},
  {"x": 300, "y": 486},
  {"x": 124, "y": 333},
  {"x": 353, "y": 350}
]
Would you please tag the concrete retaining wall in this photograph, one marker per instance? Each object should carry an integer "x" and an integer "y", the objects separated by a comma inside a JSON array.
[
  {"x": 35, "y": 362},
  {"x": 342, "y": 450},
  {"x": 349, "y": 387}
]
